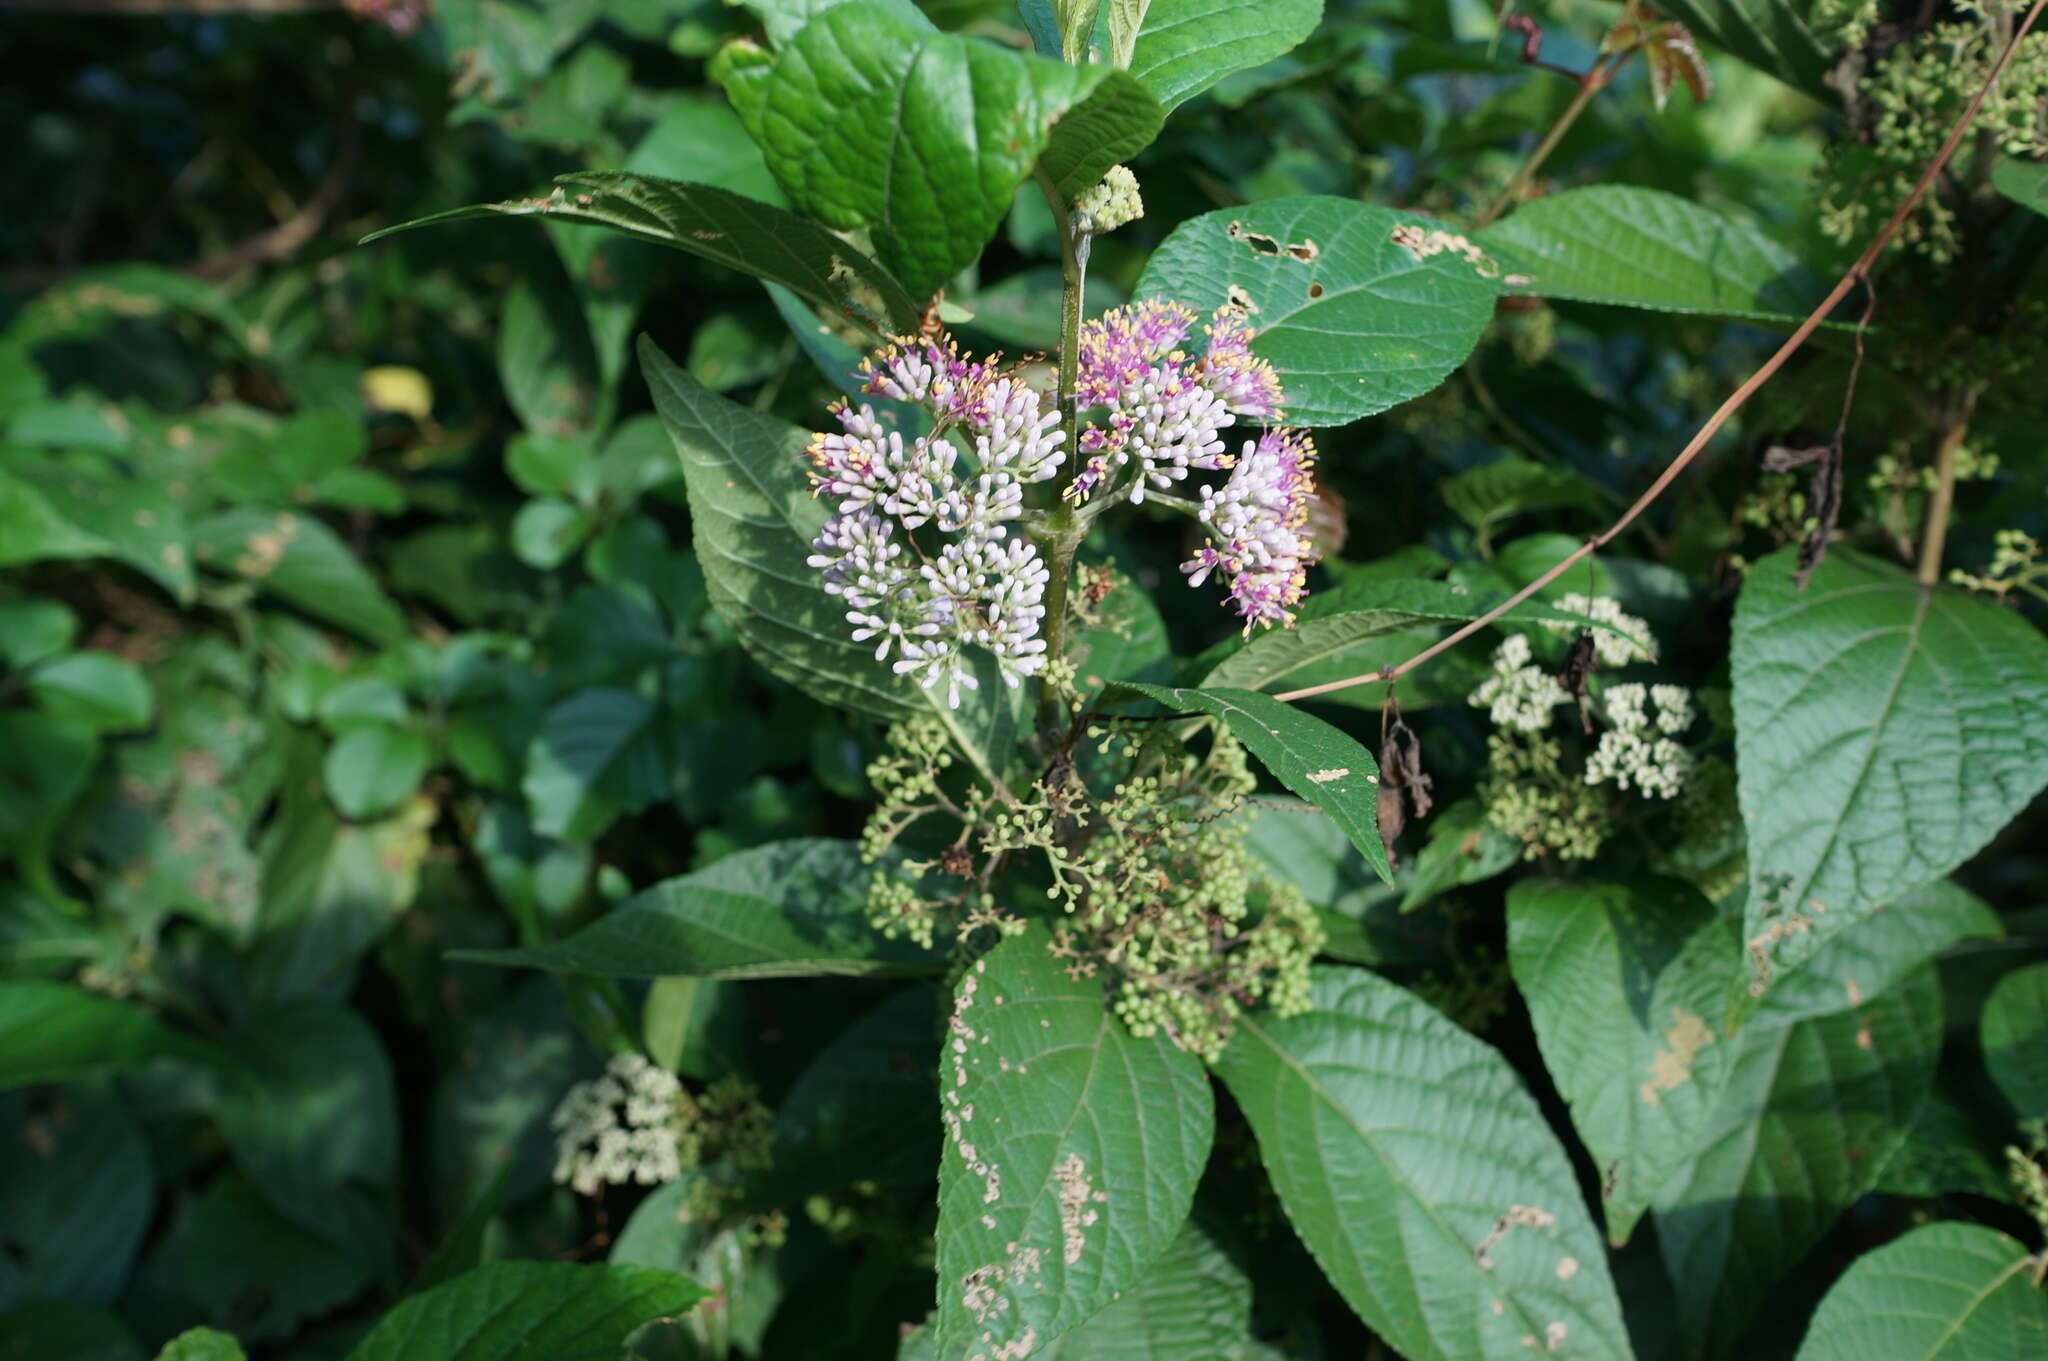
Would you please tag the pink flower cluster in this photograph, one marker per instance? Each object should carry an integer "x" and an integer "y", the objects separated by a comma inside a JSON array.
[
  {"x": 980, "y": 586},
  {"x": 1257, "y": 525},
  {"x": 1166, "y": 409}
]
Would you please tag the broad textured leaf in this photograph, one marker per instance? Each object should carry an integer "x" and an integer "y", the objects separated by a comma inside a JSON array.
[
  {"x": 235, "y": 1256},
  {"x": 108, "y": 693},
  {"x": 2014, "y": 1029},
  {"x": 1326, "y": 642},
  {"x": 1420, "y": 1172},
  {"x": 727, "y": 228},
  {"x": 787, "y": 909},
  {"x": 1625, "y": 983},
  {"x": 1185, "y": 46},
  {"x": 1297, "y": 843},
  {"x": 1322, "y": 764},
  {"x": 1869, "y": 958},
  {"x": 1808, "y": 1118},
  {"x": 598, "y": 753},
  {"x": 1772, "y": 35},
  {"x": 2024, "y": 182},
  {"x": 298, "y": 560},
  {"x": 754, "y": 519},
  {"x": 373, "y": 767},
  {"x": 1353, "y": 321},
  {"x": 1943, "y": 1292},
  {"x": 77, "y": 1192},
  {"x": 1646, "y": 248},
  {"x": 1883, "y": 734},
  {"x": 563, "y": 1311},
  {"x": 871, "y": 118},
  {"x": 1072, "y": 1152},
  {"x": 51, "y": 1031},
  {"x": 1191, "y": 1303}
]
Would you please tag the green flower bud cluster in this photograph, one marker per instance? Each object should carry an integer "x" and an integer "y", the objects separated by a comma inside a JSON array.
[
  {"x": 1110, "y": 204},
  {"x": 2024, "y": 1167},
  {"x": 1529, "y": 797},
  {"x": 638, "y": 1123},
  {"x": 2016, "y": 565},
  {"x": 1908, "y": 101}
]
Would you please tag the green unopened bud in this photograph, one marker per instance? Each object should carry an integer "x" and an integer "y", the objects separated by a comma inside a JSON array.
[{"x": 1110, "y": 204}]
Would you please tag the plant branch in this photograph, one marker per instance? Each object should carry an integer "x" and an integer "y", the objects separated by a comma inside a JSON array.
[
  {"x": 1060, "y": 535},
  {"x": 1858, "y": 273},
  {"x": 1934, "y": 530}
]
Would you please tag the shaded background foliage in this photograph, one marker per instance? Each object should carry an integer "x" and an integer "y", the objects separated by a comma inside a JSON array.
[{"x": 351, "y": 619}]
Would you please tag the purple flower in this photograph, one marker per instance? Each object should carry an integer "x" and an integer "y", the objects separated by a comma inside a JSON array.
[{"x": 1256, "y": 526}]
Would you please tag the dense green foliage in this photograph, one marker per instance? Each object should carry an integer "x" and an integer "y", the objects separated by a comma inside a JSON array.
[{"x": 468, "y": 888}]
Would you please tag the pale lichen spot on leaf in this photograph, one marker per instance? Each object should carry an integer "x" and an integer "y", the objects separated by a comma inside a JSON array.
[
  {"x": 1526, "y": 1216},
  {"x": 1567, "y": 1268},
  {"x": 1070, "y": 1178},
  {"x": 1671, "y": 1066},
  {"x": 1553, "y": 1335}
]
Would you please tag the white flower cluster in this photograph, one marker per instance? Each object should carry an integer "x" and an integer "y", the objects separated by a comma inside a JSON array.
[
  {"x": 1638, "y": 747},
  {"x": 1519, "y": 694},
  {"x": 624, "y": 1126},
  {"x": 981, "y": 587},
  {"x": 1631, "y": 643}
]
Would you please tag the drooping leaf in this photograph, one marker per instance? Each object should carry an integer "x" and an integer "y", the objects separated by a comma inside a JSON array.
[
  {"x": 1883, "y": 734},
  {"x": 1354, "y": 320},
  {"x": 1645, "y": 248},
  {"x": 565, "y": 1311},
  {"x": 872, "y": 118},
  {"x": 729, "y": 229},
  {"x": 1185, "y": 46},
  {"x": 1322, "y": 764},
  {"x": 754, "y": 520},
  {"x": 1191, "y": 1302},
  {"x": 1420, "y": 1172},
  {"x": 2014, "y": 1030},
  {"x": 787, "y": 909},
  {"x": 1807, "y": 1119},
  {"x": 1072, "y": 1151},
  {"x": 55, "y": 1031},
  {"x": 1943, "y": 1292}
]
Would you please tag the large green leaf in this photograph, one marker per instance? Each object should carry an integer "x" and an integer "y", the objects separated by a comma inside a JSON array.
[
  {"x": 53, "y": 1031},
  {"x": 1808, "y": 1118},
  {"x": 1771, "y": 35},
  {"x": 1944, "y": 1292},
  {"x": 874, "y": 1088},
  {"x": 598, "y": 753},
  {"x": 1354, "y": 321},
  {"x": 871, "y": 118},
  {"x": 1883, "y": 733},
  {"x": 2014, "y": 1029},
  {"x": 1185, "y": 46},
  {"x": 727, "y": 228},
  {"x": 77, "y": 1192},
  {"x": 1072, "y": 1152},
  {"x": 1323, "y": 764},
  {"x": 754, "y": 519},
  {"x": 1645, "y": 248},
  {"x": 787, "y": 909},
  {"x": 2024, "y": 182},
  {"x": 1329, "y": 640},
  {"x": 563, "y": 1311},
  {"x": 298, "y": 560},
  {"x": 1420, "y": 1172},
  {"x": 1192, "y": 1302}
]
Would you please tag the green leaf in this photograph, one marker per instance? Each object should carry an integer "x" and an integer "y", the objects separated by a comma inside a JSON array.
[
  {"x": 1320, "y": 763},
  {"x": 1808, "y": 1118},
  {"x": 2014, "y": 1029},
  {"x": 34, "y": 630},
  {"x": 729, "y": 229},
  {"x": 754, "y": 519},
  {"x": 1883, "y": 733},
  {"x": 1327, "y": 642},
  {"x": 1193, "y": 1302},
  {"x": 1646, "y": 248},
  {"x": 235, "y": 1256},
  {"x": 202, "y": 1344},
  {"x": 54, "y": 1031},
  {"x": 1420, "y": 1172},
  {"x": 874, "y": 1088},
  {"x": 77, "y": 1192},
  {"x": 1354, "y": 322},
  {"x": 1185, "y": 46},
  {"x": 563, "y": 1311},
  {"x": 98, "y": 689},
  {"x": 1943, "y": 1292},
  {"x": 2024, "y": 182},
  {"x": 789, "y": 909},
  {"x": 597, "y": 754},
  {"x": 1771, "y": 35},
  {"x": 1493, "y": 493},
  {"x": 871, "y": 118},
  {"x": 299, "y": 561},
  {"x": 52, "y": 1328},
  {"x": 1298, "y": 844},
  {"x": 1072, "y": 1151},
  {"x": 373, "y": 768}
]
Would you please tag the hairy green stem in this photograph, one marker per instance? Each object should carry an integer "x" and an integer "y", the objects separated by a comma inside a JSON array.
[{"x": 1060, "y": 534}]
